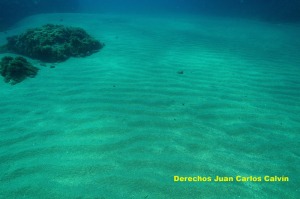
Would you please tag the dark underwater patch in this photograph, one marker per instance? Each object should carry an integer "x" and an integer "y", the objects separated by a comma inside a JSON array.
[
  {"x": 15, "y": 70},
  {"x": 53, "y": 43}
]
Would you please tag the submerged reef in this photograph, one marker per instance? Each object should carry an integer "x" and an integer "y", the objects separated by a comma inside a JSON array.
[
  {"x": 53, "y": 43},
  {"x": 15, "y": 70}
]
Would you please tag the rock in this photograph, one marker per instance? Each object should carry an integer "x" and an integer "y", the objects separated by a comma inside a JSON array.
[
  {"x": 53, "y": 43},
  {"x": 15, "y": 70}
]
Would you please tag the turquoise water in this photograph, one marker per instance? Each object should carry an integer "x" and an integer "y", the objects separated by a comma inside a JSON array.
[{"x": 123, "y": 122}]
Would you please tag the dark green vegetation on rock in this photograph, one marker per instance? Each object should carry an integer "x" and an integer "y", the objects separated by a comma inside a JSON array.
[
  {"x": 54, "y": 43},
  {"x": 15, "y": 70}
]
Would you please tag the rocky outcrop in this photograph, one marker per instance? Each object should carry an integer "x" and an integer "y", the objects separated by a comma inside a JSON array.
[
  {"x": 15, "y": 70},
  {"x": 53, "y": 43}
]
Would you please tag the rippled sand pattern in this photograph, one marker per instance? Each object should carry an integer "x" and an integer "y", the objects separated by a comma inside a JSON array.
[{"x": 166, "y": 96}]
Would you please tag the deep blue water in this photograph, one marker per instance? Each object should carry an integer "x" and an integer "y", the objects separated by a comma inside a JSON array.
[
  {"x": 268, "y": 10},
  {"x": 274, "y": 10}
]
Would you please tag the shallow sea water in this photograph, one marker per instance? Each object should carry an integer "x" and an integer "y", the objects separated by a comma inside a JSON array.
[{"x": 167, "y": 96}]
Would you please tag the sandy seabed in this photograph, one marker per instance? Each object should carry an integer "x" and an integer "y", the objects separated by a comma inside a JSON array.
[{"x": 167, "y": 96}]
